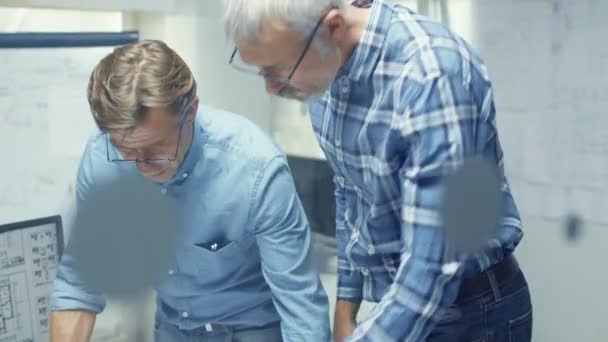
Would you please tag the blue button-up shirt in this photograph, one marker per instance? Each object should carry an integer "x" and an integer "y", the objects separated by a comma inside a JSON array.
[
  {"x": 409, "y": 106},
  {"x": 234, "y": 183}
]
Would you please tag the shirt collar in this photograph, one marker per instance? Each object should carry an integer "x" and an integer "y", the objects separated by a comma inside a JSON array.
[
  {"x": 192, "y": 157},
  {"x": 360, "y": 65}
]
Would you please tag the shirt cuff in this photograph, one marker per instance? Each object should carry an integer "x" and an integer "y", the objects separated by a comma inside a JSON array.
[
  {"x": 350, "y": 285},
  {"x": 65, "y": 297}
]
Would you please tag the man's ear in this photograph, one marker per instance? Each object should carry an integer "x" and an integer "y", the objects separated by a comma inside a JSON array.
[
  {"x": 335, "y": 25},
  {"x": 193, "y": 110}
]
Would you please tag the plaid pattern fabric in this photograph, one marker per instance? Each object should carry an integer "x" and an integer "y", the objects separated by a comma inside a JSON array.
[{"x": 410, "y": 105}]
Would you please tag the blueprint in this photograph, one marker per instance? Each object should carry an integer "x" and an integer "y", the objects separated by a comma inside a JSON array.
[{"x": 28, "y": 262}]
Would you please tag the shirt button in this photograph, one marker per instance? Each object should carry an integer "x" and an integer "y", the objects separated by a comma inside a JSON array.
[
  {"x": 163, "y": 191},
  {"x": 185, "y": 175},
  {"x": 185, "y": 314},
  {"x": 171, "y": 272}
]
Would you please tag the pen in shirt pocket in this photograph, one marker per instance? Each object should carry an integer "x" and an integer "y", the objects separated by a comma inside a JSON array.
[{"x": 214, "y": 245}]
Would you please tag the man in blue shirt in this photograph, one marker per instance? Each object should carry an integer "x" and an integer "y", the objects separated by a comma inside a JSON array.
[
  {"x": 397, "y": 103},
  {"x": 243, "y": 269}
]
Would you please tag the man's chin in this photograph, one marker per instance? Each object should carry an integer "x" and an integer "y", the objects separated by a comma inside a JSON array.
[
  {"x": 299, "y": 95},
  {"x": 159, "y": 178}
]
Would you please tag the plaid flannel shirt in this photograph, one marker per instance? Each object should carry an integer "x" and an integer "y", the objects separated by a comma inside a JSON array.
[{"x": 411, "y": 103}]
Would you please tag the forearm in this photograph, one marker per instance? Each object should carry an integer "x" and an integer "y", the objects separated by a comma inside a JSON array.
[
  {"x": 345, "y": 319},
  {"x": 346, "y": 311},
  {"x": 284, "y": 241},
  {"x": 72, "y": 326}
]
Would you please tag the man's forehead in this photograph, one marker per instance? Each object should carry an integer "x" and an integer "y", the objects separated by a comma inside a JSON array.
[
  {"x": 152, "y": 129},
  {"x": 139, "y": 136},
  {"x": 272, "y": 28}
]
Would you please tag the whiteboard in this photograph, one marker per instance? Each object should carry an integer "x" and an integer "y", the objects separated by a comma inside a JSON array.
[
  {"x": 549, "y": 72},
  {"x": 162, "y": 6},
  {"x": 45, "y": 119}
]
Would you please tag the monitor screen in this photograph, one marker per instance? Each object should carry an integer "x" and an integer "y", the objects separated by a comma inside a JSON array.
[
  {"x": 29, "y": 254},
  {"x": 315, "y": 186}
]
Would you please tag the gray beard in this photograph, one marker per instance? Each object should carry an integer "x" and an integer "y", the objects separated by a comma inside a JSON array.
[{"x": 299, "y": 95}]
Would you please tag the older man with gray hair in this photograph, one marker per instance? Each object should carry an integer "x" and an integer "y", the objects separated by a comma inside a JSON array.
[{"x": 397, "y": 102}]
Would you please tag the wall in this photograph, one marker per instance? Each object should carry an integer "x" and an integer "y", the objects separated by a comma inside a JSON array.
[
  {"x": 114, "y": 5},
  {"x": 549, "y": 74},
  {"x": 14, "y": 19},
  {"x": 21, "y": 19},
  {"x": 196, "y": 33}
]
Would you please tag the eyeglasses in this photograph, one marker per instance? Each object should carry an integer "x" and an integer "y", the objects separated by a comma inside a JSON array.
[
  {"x": 284, "y": 80},
  {"x": 157, "y": 161}
]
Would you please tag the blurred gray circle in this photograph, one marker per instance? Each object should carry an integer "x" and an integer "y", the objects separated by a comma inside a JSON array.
[
  {"x": 124, "y": 236},
  {"x": 471, "y": 205}
]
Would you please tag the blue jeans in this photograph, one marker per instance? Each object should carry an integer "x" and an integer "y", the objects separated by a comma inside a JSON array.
[
  {"x": 504, "y": 314},
  {"x": 166, "y": 332}
]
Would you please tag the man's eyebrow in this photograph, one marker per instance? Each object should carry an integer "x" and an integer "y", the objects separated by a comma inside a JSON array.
[{"x": 119, "y": 144}]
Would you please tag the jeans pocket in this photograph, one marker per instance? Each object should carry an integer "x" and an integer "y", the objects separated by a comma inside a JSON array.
[
  {"x": 450, "y": 327},
  {"x": 520, "y": 329},
  {"x": 450, "y": 315}
]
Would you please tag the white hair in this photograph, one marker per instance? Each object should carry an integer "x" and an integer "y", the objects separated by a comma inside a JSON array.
[{"x": 243, "y": 18}]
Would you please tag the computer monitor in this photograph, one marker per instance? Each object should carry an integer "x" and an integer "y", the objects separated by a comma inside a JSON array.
[
  {"x": 315, "y": 186},
  {"x": 29, "y": 255}
]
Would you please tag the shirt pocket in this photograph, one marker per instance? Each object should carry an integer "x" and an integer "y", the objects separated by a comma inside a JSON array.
[{"x": 217, "y": 256}]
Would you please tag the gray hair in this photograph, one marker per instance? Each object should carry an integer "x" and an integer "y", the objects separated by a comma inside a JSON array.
[{"x": 243, "y": 18}]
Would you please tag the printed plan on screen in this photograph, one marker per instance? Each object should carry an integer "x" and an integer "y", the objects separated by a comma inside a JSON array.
[{"x": 28, "y": 262}]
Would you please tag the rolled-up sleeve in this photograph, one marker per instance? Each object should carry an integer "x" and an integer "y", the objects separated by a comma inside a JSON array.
[
  {"x": 70, "y": 293},
  {"x": 284, "y": 239}
]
